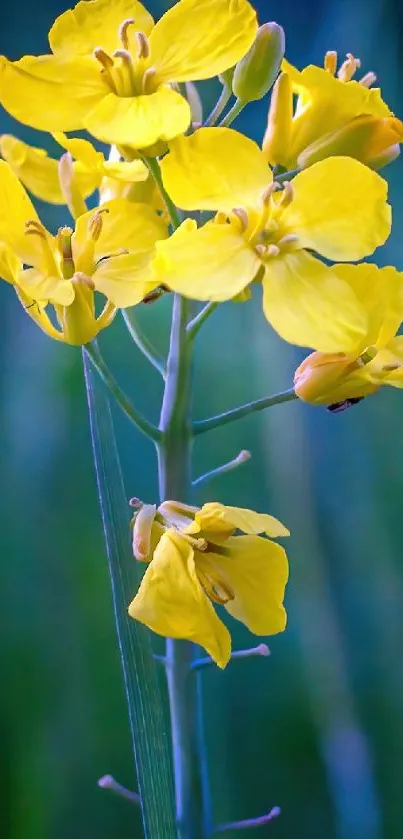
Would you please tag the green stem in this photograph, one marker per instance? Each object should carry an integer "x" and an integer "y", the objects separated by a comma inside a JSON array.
[
  {"x": 174, "y": 452},
  {"x": 173, "y": 212},
  {"x": 101, "y": 367},
  {"x": 197, "y": 322},
  {"x": 145, "y": 346},
  {"x": 236, "y": 109},
  {"x": 201, "y": 426},
  {"x": 286, "y": 176},
  {"x": 222, "y": 101}
]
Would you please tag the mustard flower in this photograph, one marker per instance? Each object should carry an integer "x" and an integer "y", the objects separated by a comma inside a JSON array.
[
  {"x": 194, "y": 560},
  {"x": 115, "y": 73},
  {"x": 336, "y": 207}
]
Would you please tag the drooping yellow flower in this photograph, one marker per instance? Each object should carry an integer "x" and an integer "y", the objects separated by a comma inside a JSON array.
[
  {"x": 336, "y": 207},
  {"x": 334, "y": 379},
  {"x": 194, "y": 559},
  {"x": 114, "y": 73},
  {"x": 42, "y": 175},
  {"x": 334, "y": 115},
  {"x": 109, "y": 251}
]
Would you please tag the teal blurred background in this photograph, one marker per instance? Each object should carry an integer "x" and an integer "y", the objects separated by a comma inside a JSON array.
[{"x": 317, "y": 728}]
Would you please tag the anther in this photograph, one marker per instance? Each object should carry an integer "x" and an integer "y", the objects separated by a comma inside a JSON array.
[
  {"x": 330, "y": 62},
  {"x": 348, "y": 68},
  {"x": 35, "y": 228},
  {"x": 122, "y": 32},
  {"x": 125, "y": 56},
  {"x": 272, "y": 251},
  {"x": 95, "y": 224},
  {"x": 220, "y": 217},
  {"x": 288, "y": 194},
  {"x": 242, "y": 217},
  {"x": 368, "y": 80},
  {"x": 143, "y": 46},
  {"x": 288, "y": 241},
  {"x": 83, "y": 279},
  {"x": 148, "y": 80},
  {"x": 103, "y": 58},
  {"x": 271, "y": 189},
  {"x": 261, "y": 250}
]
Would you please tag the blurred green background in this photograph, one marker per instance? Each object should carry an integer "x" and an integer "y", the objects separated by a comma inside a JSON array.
[{"x": 317, "y": 728}]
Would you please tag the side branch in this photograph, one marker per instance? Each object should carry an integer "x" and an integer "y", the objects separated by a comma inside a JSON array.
[
  {"x": 102, "y": 369},
  {"x": 200, "y": 426},
  {"x": 143, "y": 343}
]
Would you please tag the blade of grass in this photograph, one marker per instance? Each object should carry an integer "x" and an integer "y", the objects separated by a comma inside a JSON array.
[{"x": 149, "y": 733}]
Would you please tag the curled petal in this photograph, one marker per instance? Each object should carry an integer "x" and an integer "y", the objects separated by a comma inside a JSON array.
[
  {"x": 380, "y": 292},
  {"x": 218, "y": 517},
  {"x": 139, "y": 121}
]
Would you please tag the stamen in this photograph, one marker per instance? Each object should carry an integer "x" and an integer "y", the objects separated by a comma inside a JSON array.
[
  {"x": 122, "y": 32},
  {"x": 288, "y": 194},
  {"x": 127, "y": 80},
  {"x": 95, "y": 224},
  {"x": 103, "y": 58},
  {"x": 272, "y": 251},
  {"x": 33, "y": 227},
  {"x": 216, "y": 589},
  {"x": 288, "y": 241},
  {"x": 389, "y": 368},
  {"x": 220, "y": 217},
  {"x": 83, "y": 279},
  {"x": 330, "y": 62},
  {"x": 368, "y": 80},
  {"x": 242, "y": 217},
  {"x": 261, "y": 250},
  {"x": 148, "y": 80},
  {"x": 143, "y": 50},
  {"x": 349, "y": 68},
  {"x": 271, "y": 189},
  {"x": 64, "y": 235}
]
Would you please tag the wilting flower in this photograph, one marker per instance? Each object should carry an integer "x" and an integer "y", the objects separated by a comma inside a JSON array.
[
  {"x": 114, "y": 73},
  {"x": 336, "y": 207},
  {"x": 334, "y": 115},
  {"x": 334, "y": 379},
  {"x": 194, "y": 559},
  {"x": 109, "y": 251}
]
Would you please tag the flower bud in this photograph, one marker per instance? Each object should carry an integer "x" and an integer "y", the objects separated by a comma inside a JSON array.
[
  {"x": 329, "y": 378},
  {"x": 226, "y": 77},
  {"x": 367, "y": 138},
  {"x": 277, "y": 139},
  {"x": 257, "y": 71}
]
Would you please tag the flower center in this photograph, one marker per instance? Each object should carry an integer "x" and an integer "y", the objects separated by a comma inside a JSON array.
[
  {"x": 127, "y": 72},
  {"x": 212, "y": 580},
  {"x": 348, "y": 68}
]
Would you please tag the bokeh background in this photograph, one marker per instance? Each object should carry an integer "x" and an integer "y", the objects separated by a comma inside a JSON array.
[{"x": 317, "y": 728}]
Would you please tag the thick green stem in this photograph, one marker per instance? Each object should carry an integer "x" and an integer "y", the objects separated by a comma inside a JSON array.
[{"x": 174, "y": 452}]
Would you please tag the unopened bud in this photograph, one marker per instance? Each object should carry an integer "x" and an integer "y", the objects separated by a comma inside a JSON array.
[
  {"x": 328, "y": 378},
  {"x": 257, "y": 71},
  {"x": 367, "y": 138},
  {"x": 142, "y": 529},
  {"x": 277, "y": 139}
]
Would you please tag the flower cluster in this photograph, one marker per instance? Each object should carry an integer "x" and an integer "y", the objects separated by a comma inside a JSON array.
[{"x": 187, "y": 204}]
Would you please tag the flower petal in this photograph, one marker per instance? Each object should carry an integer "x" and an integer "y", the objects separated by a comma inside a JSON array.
[
  {"x": 96, "y": 24},
  {"x": 139, "y": 121},
  {"x": 211, "y": 263},
  {"x": 339, "y": 209},
  {"x": 45, "y": 288},
  {"x": 90, "y": 160},
  {"x": 215, "y": 169},
  {"x": 198, "y": 39},
  {"x": 308, "y": 305},
  {"x": 387, "y": 366},
  {"x": 380, "y": 291},
  {"x": 125, "y": 280},
  {"x": 10, "y": 265},
  {"x": 171, "y": 601},
  {"x": 218, "y": 517},
  {"x": 16, "y": 209},
  {"x": 50, "y": 94},
  {"x": 256, "y": 569}
]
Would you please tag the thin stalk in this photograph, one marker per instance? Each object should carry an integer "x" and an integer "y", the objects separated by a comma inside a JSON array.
[
  {"x": 236, "y": 109},
  {"x": 201, "y": 426},
  {"x": 173, "y": 212},
  {"x": 102, "y": 368},
  {"x": 197, "y": 322},
  {"x": 145, "y": 346},
  {"x": 286, "y": 176},
  {"x": 174, "y": 451},
  {"x": 221, "y": 103}
]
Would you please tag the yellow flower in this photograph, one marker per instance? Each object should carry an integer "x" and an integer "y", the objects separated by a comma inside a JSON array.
[
  {"x": 334, "y": 115},
  {"x": 42, "y": 175},
  {"x": 193, "y": 559},
  {"x": 336, "y": 207},
  {"x": 113, "y": 72},
  {"x": 337, "y": 378},
  {"x": 109, "y": 251}
]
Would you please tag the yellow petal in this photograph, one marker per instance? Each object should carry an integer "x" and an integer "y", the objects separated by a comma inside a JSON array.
[
  {"x": 130, "y": 171},
  {"x": 139, "y": 121},
  {"x": 387, "y": 366},
  {"x": 45, "y": 288},
  {"x": 215, "y": 169},
  {"x": 216, "y": 517},
  {"x": 380, "y": 292},
  {"x": 171, "y": 601},
  {"x": 198, "y": 39},
  {"x": 95, "y": 23},
  {"x": 10, "y": 265},
  {"x": 256, "y": 569},
  {"x": 125, "y": 280},
  {"x": 80, "y": 149},
  {"x": 339, "y": 209},
  {"x": 50, "y": 94},
  {"x": 212, "y": 263},
  {"x": 125, "y": 227},
  {"x": 16, "y": 210},
  {"x": 308, "y": 305},
  {"x": 90, "y": 160},
  {"x": 38, "y": 172}
]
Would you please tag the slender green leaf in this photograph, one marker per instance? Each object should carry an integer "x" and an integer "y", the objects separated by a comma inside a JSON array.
[{"x": 149, "y": 733}]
